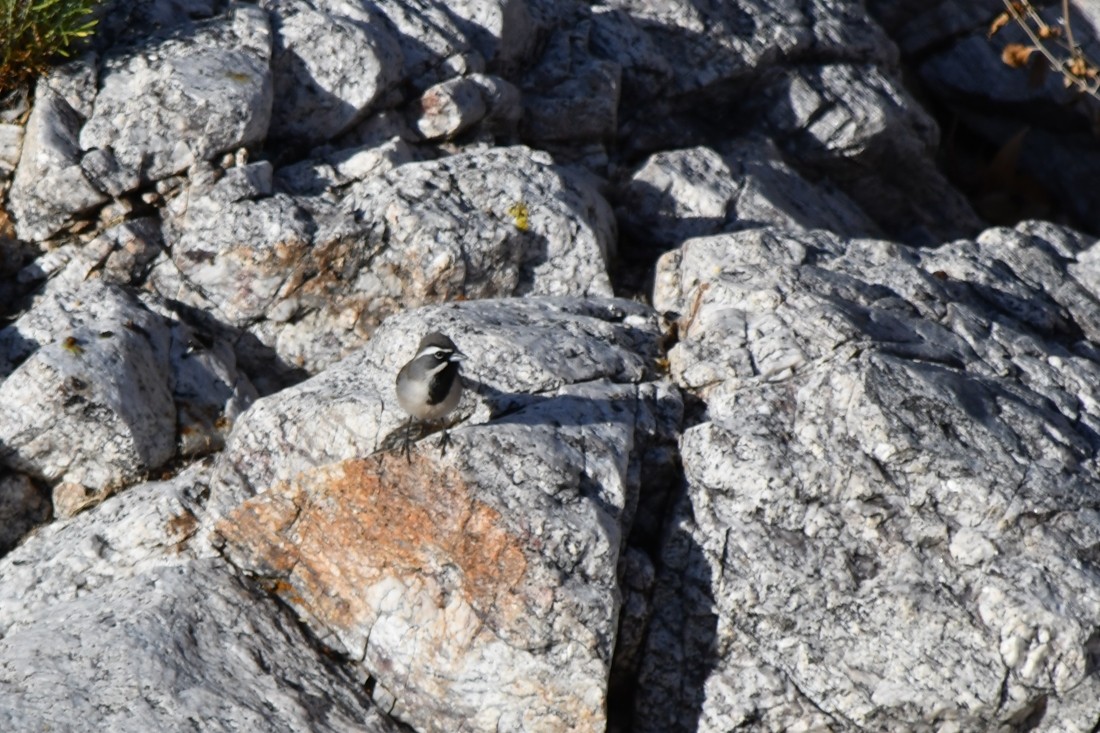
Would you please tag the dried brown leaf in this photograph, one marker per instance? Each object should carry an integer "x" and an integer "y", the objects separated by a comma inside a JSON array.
[
  {"x": 1016, "y": 55},
  {"x": 1050, "y": 31},
  {"x": 998, "y": 23}
]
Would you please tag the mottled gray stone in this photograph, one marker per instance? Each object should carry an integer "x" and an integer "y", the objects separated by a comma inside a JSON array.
[
  {"x": 99, "y": 389},
  {"x": 49, "y": 188},
  {"x": 525, "y": 346},
  {"x": 23, "y": 505},
  {"x": 1040, "y": 129},
  {"x": 707, "y": 46},
  {"x": 501, "y": 221},
  {"x": 11, "y": 145},
  {"x": 570, "y": 95},
  {"x": 515, "y": 530},
  {"x": 857, "y": 124},
  {"x": 311, "y": 279},
  {"x": 92, "y": 404},
  {"x": 434, "y": 35},
  {"x": 695, "y": 192},
  {"x": 890, "y": 518},
  {"x": 327, "y": 172},
  {"x": 112, "y": 619},
  {"x": 170, "y": 104},
  {"x": 453, "y": 106},
  {"x": 316, "y": 98}
]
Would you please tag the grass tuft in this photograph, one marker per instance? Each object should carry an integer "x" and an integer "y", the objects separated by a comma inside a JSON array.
[{"x": 35, "y": 32}]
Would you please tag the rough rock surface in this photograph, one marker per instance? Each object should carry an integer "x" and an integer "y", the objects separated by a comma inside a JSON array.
[
  {"x": 177, "y": 102},
  {"x": 891, "y": 515},
  {"x": 49, "y": 187},
  {"x": 813, "y": 477},
  {"x": 477, "y": 587},
  {"x": 311, "y": 278},
  {"x": 91, "y": 403},
  {"x": 117, "y": 595},
  {"x": 99, "y": 390},
  {"x": 681, "y": 194},
  {"x": 23, "y": 505},
  {"x": 315, "y": 98}
]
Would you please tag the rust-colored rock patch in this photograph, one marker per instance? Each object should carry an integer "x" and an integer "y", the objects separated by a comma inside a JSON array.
[{"x": 327, "y": 536}]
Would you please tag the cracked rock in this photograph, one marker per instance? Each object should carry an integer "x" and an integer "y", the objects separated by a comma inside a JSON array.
[
  {"x": 182, "y": 100},
  {"x": 889, "y": 519},
  {"x": 50, "y": 188},
  {"x": 698, "y": 191},
  {"x": 315, "y": 98},
  {"x": 500, "y": 555},
  {"x": 117, "y": 608}
]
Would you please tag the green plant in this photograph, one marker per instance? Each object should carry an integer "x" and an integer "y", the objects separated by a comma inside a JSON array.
[{"x": 34, "y": 32}]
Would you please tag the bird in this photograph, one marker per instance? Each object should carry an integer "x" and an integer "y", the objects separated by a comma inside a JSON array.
[{"x": 429, "y": 385}]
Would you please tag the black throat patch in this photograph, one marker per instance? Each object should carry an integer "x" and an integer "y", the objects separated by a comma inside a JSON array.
[{"x": 440, "y": 383}]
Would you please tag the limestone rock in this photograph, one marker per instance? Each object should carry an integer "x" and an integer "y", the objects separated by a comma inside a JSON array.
[
  {"x": 316, "y": 98},
  {"x": 500, "y": 555},
  {"x": 114, "y": 607},
  {"x": 503, "y": 221},
  {"x": 889, "y": 519},
  {"x": 858, "y": 125},
  {"x": 709, "y": 45},
  {"x": 523, "y": 346},
  {"x": 441, "y": 39},
  {"x": 22, "y": 506},
  {"x": 453, "y": 106},
  {"x": 173, "y": 103},
  {"x": 696, "y": 192},
  {"x": 91, "y": 404},
  {"x": 312, "y": 279},
  {"x": 11, "y": 144},
  {"x": 98, "y": 388},
  {"x": 570, "y": 95},
  {"x": 50, "y": 188}
]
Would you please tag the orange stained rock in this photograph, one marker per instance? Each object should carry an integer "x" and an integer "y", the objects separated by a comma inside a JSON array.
[{"x": 332, "y": 532}]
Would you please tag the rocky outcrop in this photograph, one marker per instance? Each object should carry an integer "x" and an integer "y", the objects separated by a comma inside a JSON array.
[
  {"x": 157, "y": 631},
  {"x": 505, "y": 615},
  {"x": 829, "y": 464},
  {"x": 892, "y": 500}
]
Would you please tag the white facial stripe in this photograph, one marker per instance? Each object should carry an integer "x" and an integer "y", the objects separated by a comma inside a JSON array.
[{"x": 430, "y": 350}]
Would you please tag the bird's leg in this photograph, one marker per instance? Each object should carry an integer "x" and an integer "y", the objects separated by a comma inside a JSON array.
[
  {"x": 444, "y": 441},
  {"x": 408, "y": 435}
]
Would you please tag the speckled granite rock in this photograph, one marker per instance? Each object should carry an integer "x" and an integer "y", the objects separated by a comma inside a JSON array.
[
  {"x": 143, "y": 633},
  {"x": 891, "y": 515},
  {"x": 501, "y": 555}
]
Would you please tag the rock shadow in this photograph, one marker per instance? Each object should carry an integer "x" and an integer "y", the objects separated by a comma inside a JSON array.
[{"x": 660, "y": 686}]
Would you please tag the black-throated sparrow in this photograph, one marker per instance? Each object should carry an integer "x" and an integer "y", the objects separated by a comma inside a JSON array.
[{"x": 429, "y": 386}]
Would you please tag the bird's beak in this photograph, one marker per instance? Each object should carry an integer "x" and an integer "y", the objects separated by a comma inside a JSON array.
[{"x": 458, "y": 356}]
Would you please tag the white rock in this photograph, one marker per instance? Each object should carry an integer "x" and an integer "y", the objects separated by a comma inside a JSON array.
[
  {"x": 898, "y": 528},
  {"x": 316, "y": 98},
  {"x": 184, "y": 100},
  {"x": 49, "y": 188}
]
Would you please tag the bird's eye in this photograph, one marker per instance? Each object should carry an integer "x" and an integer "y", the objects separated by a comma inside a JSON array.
[{"x": 440, "y": 356}]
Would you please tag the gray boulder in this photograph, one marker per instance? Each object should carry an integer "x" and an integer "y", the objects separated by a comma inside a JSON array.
[
  {"x": 695, "y": 192},
  {"x": 99, "y": 390},
  {"x": 311, "y": 278},
  {"x": 141, "y": 632},
  {"x": 890, "y": 507},
  {"x": 500, "y": 555},
  {"x": 91, "y": 403},
  {"x": 316, "y": 98},
  {"x": 179, "y": 101},
  {"x": 50, "y": 188}
]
